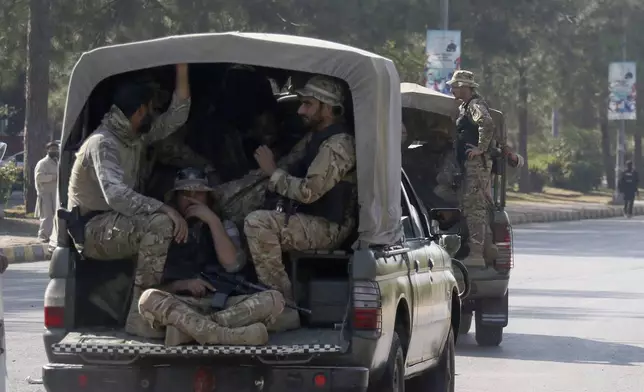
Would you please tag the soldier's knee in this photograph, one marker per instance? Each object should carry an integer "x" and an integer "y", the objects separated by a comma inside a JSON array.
[
  {"x": 160, "y": 224},
  {"x": 256, "y": 220},
  {"x": 149, "y": 299}
]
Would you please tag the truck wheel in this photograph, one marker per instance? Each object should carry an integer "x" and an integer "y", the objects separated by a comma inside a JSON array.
[
  {"x": 442, "y": 377},
  {"x": 393, "y": 379},
  {"x": 466, "y": 323},
  {"x": 489, "y": 335}
]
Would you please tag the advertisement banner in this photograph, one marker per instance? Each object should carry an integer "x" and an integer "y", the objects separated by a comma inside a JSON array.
[
  {"x": 443, "y": 57},
  {"x": 622, "y": 92}
]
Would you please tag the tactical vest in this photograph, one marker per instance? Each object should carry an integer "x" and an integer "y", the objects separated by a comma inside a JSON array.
[
  {"x": 628, "y": 182},
  {"x": 467, "y": 132},
  {"x": 187, "y": 260},
  {"x": 333, "y": 204}
]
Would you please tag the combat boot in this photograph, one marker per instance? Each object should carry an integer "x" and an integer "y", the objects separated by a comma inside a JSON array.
[
  {"x": 263, "y": 307},
  {"x": 139, "y": 325},
  {"x": 174, "y": 337},
  {"x": 289, "y": 319},
  {"x": 167, "y": 310}
]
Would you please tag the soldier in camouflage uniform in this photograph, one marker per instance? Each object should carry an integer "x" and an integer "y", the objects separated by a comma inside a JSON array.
[
  {"x": 245, "y": 318},
  {"x": 314, "y": 199},
  {"x": 475, "y": 133},
  {"x": 119, "y": 221}
]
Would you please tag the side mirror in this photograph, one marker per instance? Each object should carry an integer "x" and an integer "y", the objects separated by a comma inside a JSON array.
[{"x": 444, "y": 221}]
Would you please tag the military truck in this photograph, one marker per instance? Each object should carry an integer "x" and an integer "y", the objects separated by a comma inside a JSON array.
[
  {"x": 424, "y": 109},
  {"x": 385, "y": 307}
]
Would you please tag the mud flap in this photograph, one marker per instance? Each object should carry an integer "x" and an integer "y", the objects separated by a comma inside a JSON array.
[{"x": 493, "y": 311}]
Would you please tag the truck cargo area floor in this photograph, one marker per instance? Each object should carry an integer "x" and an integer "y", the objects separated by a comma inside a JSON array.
[{"x": 299, "y": 341}]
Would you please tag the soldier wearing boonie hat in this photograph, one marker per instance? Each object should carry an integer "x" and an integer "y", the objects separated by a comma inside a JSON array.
[
  {"x": 310, "y": 204},
  {"x": 183, "y": 304},
  {"x": 475, "y": 136}
]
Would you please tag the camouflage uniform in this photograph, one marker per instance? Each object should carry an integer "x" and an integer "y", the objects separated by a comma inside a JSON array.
[
  {"x": 477, "y": 171},
  {"x": 105, "y": 176},
  {"x": 190, "y": 318},
  {"x": 271, "y": 232}
]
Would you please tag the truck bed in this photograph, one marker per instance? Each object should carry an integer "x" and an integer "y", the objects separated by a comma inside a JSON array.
[{"x": 300, "y": 341}]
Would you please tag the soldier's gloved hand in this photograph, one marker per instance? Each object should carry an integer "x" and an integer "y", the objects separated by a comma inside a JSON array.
[
  {"x": 473, "y": 151},
  {"x": 180, "y": 225},
  {"x": 196, "y": 287},
  {"x": 200, "y": 211}
]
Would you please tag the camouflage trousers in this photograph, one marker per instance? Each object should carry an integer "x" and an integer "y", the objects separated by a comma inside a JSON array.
[
  {"x": 243, "y": 321},
  {"x": 475, "y": 205},
  {"x": 147, "y": 237},
  {"x": 268, "y": 236}
]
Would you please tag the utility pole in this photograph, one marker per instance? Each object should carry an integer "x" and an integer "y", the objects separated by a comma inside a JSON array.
[
  {"x": 620, "y": 152},
  {"x": 444, "y": 14}
]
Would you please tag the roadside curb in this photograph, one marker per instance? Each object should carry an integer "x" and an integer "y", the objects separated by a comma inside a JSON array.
[
  {"x": 27, "y": 253},
  {"x": 519, "y": 218}
]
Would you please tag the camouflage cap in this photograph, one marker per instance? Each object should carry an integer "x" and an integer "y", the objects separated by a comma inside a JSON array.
[
  {"x": 189, "y": 179},
  {"x": 324, "y": 89},
  {"x": 463, "y": 78}
]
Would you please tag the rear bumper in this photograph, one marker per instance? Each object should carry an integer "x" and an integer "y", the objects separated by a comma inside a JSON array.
[{"x": 201, "y": 378}]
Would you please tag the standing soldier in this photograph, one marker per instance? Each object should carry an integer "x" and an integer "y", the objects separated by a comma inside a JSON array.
[
  {"x": 119, "y": 221},
  {"x": 314, "y": 199},
  {"x": 628, "y": 186},
  {"x": 46, "y": 176},
  {"x": 475, "y": 133}
]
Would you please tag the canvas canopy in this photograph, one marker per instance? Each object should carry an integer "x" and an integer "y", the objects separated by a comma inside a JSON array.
[
  {"x": 415, "y": 96},
  {"x": 373, "y": 80}
]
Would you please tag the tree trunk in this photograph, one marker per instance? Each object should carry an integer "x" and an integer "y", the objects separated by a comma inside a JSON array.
[
  {"x": 609, "y": 167},
  {"x": 522, "y": 114},
  {"x": 37, "y": 94}
]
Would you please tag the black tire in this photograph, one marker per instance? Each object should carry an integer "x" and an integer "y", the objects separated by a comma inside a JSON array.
[
  {"x": 441, "y": 378},
  {"x": 466, "y": 323},
  {"x": 393, "y": 378},
  {"x": 488, "y": 335}
]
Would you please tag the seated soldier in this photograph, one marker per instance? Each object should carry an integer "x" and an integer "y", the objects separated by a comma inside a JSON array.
[
  {"x": 119, "y": 222},
  {"x": 185, "y": 301},
  {"x": 314, "y": 199}
]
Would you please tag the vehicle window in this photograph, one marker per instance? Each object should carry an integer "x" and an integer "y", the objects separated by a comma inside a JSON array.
[
  {"x": 410, "y": 221},
  {"x": 417, "y": 212}
]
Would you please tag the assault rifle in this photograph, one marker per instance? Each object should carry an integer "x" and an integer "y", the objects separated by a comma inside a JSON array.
[{"x": 227, "y": 284}]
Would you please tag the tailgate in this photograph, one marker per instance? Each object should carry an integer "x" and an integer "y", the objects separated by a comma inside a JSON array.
[{"x": 113, "y": 343}]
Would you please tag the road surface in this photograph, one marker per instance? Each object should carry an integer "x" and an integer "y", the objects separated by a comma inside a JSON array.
[{"x": 576, "y": 315}]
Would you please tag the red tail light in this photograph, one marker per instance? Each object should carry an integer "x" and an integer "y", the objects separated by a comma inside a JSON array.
[
  {"x": 506, "y": 251},
  {"x": 367, "y": 312},
  {"x": 54, "y": 317}
]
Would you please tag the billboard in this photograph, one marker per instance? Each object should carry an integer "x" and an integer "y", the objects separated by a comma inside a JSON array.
[
  {"x": 442, "y": 58},
  {"x": 622, "y": 91}
]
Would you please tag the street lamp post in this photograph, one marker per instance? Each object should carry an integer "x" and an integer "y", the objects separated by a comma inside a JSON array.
[
  {"x": 444, "y": 14},
  {"x": 620, "y": 152}
]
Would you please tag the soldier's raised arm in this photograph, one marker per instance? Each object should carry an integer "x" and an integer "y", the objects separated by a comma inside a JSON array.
[
  {"x": 177, "y": 114},
  {"x": 121, "y": 198},
  {"x": 336, "y": 157}
]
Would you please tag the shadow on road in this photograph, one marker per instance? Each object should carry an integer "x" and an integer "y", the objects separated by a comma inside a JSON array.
[
  {"x": 575, "y": 294},
  {"x": 564, "y": 349},
  {"x": 589, "y": 238},
  {"x": 569, "y": 313}
]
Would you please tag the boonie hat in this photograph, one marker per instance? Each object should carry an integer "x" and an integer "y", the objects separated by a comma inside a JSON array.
[
  {"x": 189, "y": 179},
  {"x": 463, "y": 78}
]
